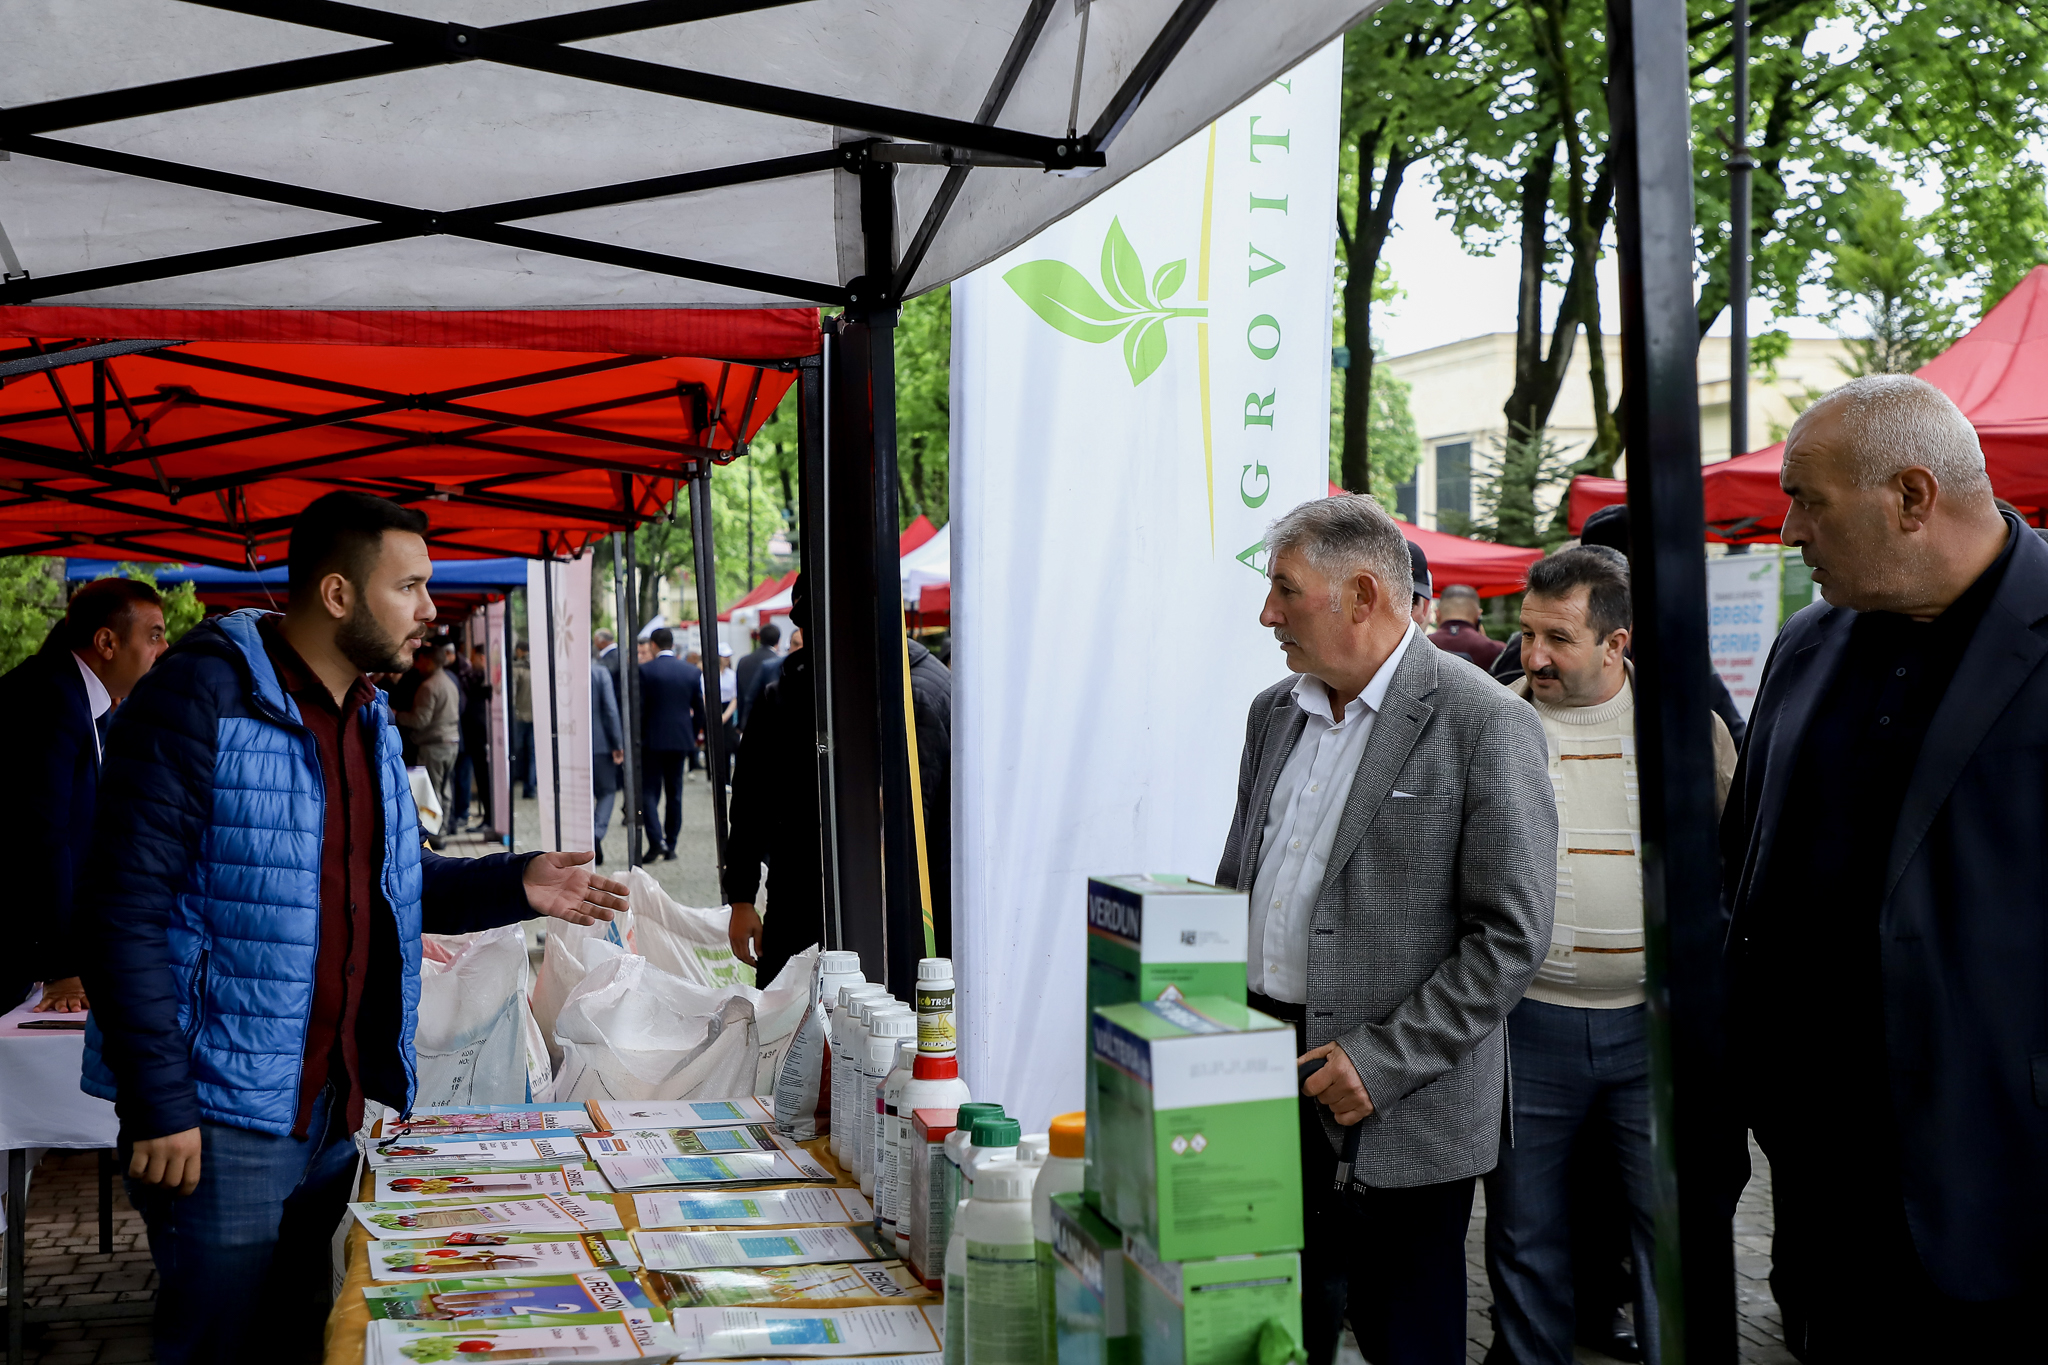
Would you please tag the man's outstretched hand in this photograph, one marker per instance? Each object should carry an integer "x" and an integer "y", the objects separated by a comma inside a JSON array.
[{"x": 563, "y": 885}]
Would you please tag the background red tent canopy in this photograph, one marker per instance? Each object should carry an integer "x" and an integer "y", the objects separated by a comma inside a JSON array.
[
  {"x": 516, "y": 433},
  {"x": 760, "y": 592},
  {"x": 1997, "y": 374},
  {"x": 1492, "y": 570},
  {"x": 917, "y": 533}
]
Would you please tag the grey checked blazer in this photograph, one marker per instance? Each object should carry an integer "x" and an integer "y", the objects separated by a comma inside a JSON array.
[{"x": 1435, "y": 910}]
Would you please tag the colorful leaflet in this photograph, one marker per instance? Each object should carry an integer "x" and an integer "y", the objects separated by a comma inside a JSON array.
[
  {"x": 435, "y": 1217},
  {"x": 756, "y": 1208},
  {"x": 497, "y": 1253},
  {"x": 779, "y": 1246}
]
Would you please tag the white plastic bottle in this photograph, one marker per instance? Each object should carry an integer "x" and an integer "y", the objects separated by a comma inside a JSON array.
[
  {"x": 993, "y": 1138},
  {"x": 1064, "y": 1172},
  {"x": 947, "y": 1183},
  {"x": 1001, "y": 1267},
  {"x": 889, "y": 1163},
  {"x": 886, "y": 1028},
  {"x": 842, "y": 1085},
  {"x": 837, "y": 967}
]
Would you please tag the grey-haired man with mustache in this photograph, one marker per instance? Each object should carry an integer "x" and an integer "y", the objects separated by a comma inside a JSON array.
[{"x": 1396, "y": 830}]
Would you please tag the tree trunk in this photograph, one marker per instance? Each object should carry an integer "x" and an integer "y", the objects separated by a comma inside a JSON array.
[{"x": 1362, "y": 248}]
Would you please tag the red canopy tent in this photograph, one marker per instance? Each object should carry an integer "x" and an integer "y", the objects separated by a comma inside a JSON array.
[
  {"x": 197, "y": 435},
  {"x": 760, "y": 592},
  {"x": 1997, "y": 374},
  {"x": 1492, "y": 570},
  {"x": 917, "y": 533}
]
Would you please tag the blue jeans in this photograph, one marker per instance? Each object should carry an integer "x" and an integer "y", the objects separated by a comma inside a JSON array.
[
  {"x": 245, "y": 1261},
  {"x": 1576, "y": 1074}
]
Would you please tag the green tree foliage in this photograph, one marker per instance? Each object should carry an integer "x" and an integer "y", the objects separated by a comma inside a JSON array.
[
  {"x": 1524, "y": 467},
  {"x": 1883, "y": 274},
  {"x": 31, "y": 600},
  {"x": 182, "y": 607},
  {"x": 1416, "y": 77},
  {"x": 1396, "y": 449},
  {"x": 924, "y": 406}
]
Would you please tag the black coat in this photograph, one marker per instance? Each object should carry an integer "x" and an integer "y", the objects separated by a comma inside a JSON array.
[
  {"x": 52, "y": 785},
  {"x": 749, "y": 682},
  {"x": 671, "y": 704},
  {"x": 931, "y": 705},
  {"x": 1963, "y": 925},
  {"x": 775, "y": 818}
]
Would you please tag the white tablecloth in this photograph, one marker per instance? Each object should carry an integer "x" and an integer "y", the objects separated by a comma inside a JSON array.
[{"x": 40, "y": 1102}]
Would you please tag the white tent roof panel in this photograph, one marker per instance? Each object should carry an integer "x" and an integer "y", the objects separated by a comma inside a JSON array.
[{"x": 455, "y": 135}]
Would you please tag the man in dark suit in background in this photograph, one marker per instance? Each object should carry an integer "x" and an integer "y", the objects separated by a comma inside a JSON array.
[
  {"x": 747, "y": 672},
  {"x": 672, "y": 708},
  {"x": 59, "y": 702},
  {"x": 1890, "y": 931}
]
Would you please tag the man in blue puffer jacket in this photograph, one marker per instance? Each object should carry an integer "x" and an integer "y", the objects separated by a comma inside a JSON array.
[{"x": 251, "y": 914}]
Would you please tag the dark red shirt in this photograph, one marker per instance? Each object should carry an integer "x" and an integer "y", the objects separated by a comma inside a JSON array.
[
  {"x": 351, "y": 851},
  {"x": 1462, "y": 637}
]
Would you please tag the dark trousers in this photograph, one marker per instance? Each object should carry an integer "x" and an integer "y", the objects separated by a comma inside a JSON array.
[
  {"x": 605, "y": 780},
  {"x": 1392, "y": 1261},
  {"x": 1850, "y": 1285},
  {"x": 523, "y": 772},
  {"x": 244, "y": 1263},
  {"x": 1578, "y": 1075},
  {"x": 662, "y": 776}
]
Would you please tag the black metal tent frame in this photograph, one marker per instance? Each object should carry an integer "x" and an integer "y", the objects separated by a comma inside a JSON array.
[{"x": 849, "y": 502}]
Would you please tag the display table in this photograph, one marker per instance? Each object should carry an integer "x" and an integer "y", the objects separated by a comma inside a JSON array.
[
  {"x": 41, "y": 1106},
  {"x": 349, "y": 1324}
]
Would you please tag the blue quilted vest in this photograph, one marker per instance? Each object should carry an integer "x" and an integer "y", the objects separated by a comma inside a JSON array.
[{"x": 247, "y": 929}]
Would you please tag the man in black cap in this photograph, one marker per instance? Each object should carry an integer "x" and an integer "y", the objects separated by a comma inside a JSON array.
[{"x": 1418, "y": 604}]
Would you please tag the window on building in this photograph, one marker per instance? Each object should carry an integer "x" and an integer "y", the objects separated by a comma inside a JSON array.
[
  {"x": 1454, "y": 482},
  {"x": 1404, "y": 499}
]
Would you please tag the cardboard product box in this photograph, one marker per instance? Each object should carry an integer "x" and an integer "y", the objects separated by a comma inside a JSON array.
[
  {"x": 1090, "y": 1324},
  {"x": 1160, "y": 936},
  {"x": 1196, "y": 1135},
  {"x": 1208, "y": 1312},
  {"x": 926, "y": 1210}
]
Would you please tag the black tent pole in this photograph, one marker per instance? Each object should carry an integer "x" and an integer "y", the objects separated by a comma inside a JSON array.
[
  {"x": 547, "y": 578},
  {"x": 815, "y": 559},
  {"x": 717, "y": 760},
  {"x": 625, "y": 612},
  {"x": 1696, "y": 1148},
  {"x": 1739, "y": 168}
]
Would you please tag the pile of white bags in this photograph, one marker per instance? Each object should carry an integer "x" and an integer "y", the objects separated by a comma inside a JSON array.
[
  {"x": 649, "y": 1006},
  {"x": 476, "y": 1041}
]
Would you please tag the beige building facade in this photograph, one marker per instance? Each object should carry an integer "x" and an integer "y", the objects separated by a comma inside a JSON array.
[{"x": 1457, "y": 390}]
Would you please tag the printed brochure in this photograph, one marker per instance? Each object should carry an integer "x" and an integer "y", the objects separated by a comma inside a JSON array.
[
  {"x": 433, "y": 1217},
  {"x": 684, "y": 1113},
  {"x": 780, "y": 1246},
  {"x": 475, "y": 1150},
  {"x": 397, "y": 1184},
  {"x": 753, "y": 1137},
  {"x": 488, "y": 1119},
  {"x": 754, "y": 1209},
  {"x": 760, "y": 1168},
  {"x": 712, "y": 1333},
  {"x": 778, "y": 1286},
  {"x": 497, "y": 1253},
  {"x": 600, "y": 1339},
  {"x": 450, "y": 1300}
]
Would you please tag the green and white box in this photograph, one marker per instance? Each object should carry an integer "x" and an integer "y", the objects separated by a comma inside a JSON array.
[
  {"x": 1196, "y": 1130},
  {"x": 1161, "y": 935},
  {"x": 1211, "y": 1312},
  {"x": 1090, "y": 1326}
]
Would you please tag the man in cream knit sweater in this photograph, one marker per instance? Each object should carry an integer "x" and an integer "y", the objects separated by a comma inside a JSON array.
[{"x": 1578, "y": 1043}]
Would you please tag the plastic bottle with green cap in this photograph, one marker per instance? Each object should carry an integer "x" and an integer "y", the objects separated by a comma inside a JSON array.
[
  {"x": 945, "y": 1215},
  {"x": 1001, "y": 1267}
]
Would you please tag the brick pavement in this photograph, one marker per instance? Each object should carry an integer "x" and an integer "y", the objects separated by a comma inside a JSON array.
[{"x": 66, "y": 1269}]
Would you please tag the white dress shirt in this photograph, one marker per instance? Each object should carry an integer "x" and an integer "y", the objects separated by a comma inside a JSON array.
[
  {"x": 1301, "y": 825},
  {"x": 97, "y": 700}
]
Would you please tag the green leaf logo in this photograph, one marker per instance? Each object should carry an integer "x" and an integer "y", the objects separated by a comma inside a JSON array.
[{"x": 1128, "y": 305}]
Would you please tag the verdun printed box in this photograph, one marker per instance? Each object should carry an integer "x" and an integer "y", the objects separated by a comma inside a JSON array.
[
  {"x": 1210, "y": 1312},
  {"x": 1196, "y": 1139},
  {"x": 1090, "y": 1325},
  {"x": 1160, "y": 936}
]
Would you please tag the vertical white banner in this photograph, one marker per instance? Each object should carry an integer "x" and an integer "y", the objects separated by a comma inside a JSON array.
[
  {"x": 1138, "y": 391},
  {"x": 500, "y": 723},
  {"x": 1743, "y": 604},
  {"x": 561, "y": 669}
]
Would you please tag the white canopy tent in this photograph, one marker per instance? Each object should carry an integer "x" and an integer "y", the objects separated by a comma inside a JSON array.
[
  {"x": 492, "y": 154},
  {"x": 929, "y": 564}
]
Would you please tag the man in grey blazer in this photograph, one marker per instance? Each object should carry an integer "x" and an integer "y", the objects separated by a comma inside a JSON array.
[{"x": 1396, "y": 831}]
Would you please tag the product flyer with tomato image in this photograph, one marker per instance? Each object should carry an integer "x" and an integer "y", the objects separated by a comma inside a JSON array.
[
  {"x": 442, "y": 1150},
  {"x": 399, "y": 1184},
  {"x": 505, "y": 1300},
  {"x": 497, "y": 1253},
  {"x": 433, "y": 1217},
  {"x": 602, "y": 1339}
]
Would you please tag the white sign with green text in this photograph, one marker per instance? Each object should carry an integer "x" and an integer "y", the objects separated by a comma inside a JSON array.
[{"x": 1137, "y": 392}]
